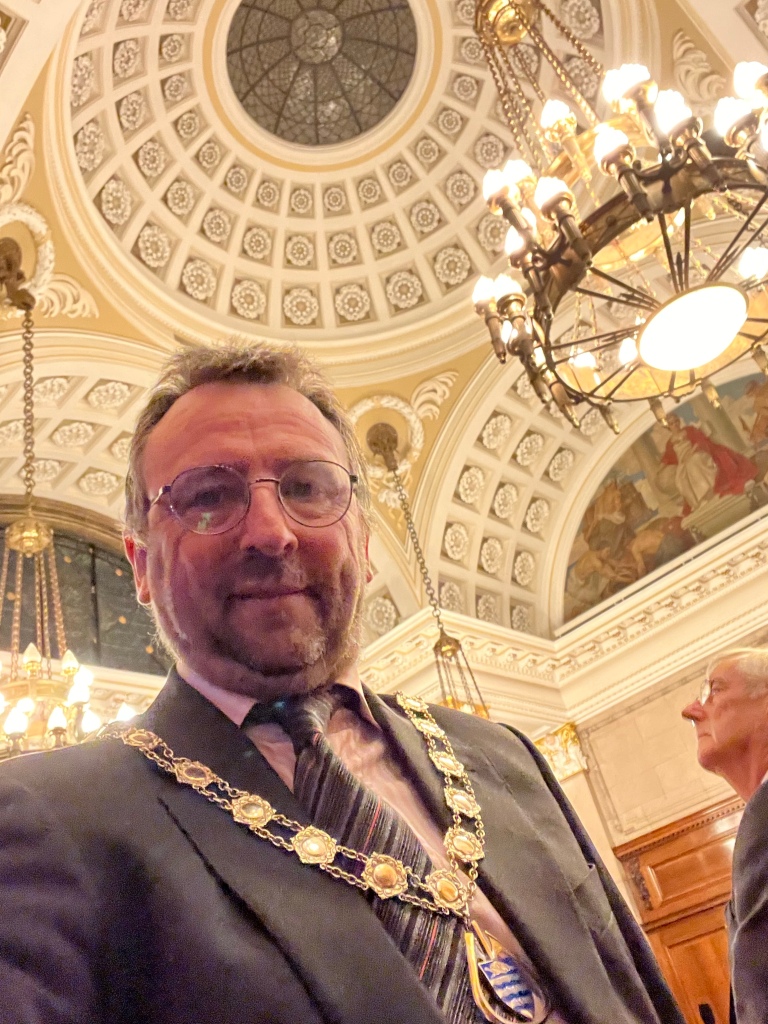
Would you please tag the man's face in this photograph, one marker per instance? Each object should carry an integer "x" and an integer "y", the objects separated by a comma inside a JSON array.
[
  {"x": 270, "y": 607},
  {"x": 731, "y": 724}
]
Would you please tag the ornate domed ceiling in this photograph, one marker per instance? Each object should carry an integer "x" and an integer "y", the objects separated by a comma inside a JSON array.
[{"x": 364, "y": 218}]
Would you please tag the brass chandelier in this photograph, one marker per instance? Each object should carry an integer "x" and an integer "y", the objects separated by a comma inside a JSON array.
[
  {"x": 40, "y": 707},
  {"x": 656, "y": 249}
]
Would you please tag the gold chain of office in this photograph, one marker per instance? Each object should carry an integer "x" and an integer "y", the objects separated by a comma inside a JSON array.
[{"x": 443, "y": 891}]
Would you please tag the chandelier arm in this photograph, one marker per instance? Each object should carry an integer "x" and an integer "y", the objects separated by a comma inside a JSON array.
[
  {"x": 610, "y": 337},
  {"x": 638, "y": 300},
  {"x": 757, "y": 339},
  {"x": 674, "y": 274},
  {"x": 58, "y": 615},
  {"x": 721, "y": 266},
  {"x": 623, "y": 286},
  {"x": 687, "y": 246},
  {"x": 736, "y": 253},
  {"x": 612, "y": 391}
]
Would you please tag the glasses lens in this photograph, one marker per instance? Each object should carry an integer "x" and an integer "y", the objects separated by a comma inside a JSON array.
[
  {"x": 210, "y": 499},
  {"x": 705, "y": 692},
  {"x": 315, "y": 493}
]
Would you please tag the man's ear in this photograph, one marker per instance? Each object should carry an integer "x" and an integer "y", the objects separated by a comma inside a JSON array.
[{"x": 136, "y": 554}]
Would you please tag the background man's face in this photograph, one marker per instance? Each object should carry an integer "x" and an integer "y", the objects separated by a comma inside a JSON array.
[
  {"x": 269, "y": 607},
  {"x": 731, "y": 723}
]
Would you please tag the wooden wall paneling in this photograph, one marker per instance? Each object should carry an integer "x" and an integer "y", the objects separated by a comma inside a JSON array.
[{"x": 680, "y": 878}]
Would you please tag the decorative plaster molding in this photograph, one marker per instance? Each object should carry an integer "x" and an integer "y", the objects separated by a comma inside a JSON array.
[
  {"x": 563, "y": 752},
  {"x": 57, "y": 295},
  {"x": 694, "y": 75}
]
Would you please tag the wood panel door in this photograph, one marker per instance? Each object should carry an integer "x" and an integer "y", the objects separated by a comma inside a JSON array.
[
  {"x": 693, "y": 954},
  {"x": 680, "y": 878}
]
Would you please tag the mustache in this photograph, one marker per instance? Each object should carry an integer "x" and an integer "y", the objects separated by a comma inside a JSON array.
[{"x": 256, "y": 570}]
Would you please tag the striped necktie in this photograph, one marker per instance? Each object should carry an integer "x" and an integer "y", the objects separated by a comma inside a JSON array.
[{"x": 356, "y": 817}]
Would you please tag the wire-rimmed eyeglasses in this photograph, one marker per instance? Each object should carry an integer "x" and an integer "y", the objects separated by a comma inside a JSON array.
[{"x": 214, "y": 499}]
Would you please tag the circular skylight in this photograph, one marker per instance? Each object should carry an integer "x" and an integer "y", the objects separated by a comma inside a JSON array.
[{"x": 318, "y": 74}]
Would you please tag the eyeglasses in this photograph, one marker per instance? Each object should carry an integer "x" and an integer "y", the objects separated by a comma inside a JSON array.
[
  {"x": 214, "y": 499},
  {"x": 708, "y": 690}
]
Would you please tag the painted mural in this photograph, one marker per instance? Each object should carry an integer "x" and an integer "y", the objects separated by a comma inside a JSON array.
[{"x": 675, "y": 487}]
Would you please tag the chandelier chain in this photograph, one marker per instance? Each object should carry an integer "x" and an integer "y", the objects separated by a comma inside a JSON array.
[
  {"x": 16, "y": 624},
  {"x": 28, "y": 470},
  {"x": 58, "y": 615},
  {"x": 4, "y": 577},
  {"x": 422, "y": 562},
  {"x": 521, "y": 140},
  {"x": 573, "y": 39},
  {"x": 563, "y": 76}
]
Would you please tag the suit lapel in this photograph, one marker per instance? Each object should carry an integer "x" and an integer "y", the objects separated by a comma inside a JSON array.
[
  {"x": 532, "y": 862},
  {"x": 324, "y": 928}
]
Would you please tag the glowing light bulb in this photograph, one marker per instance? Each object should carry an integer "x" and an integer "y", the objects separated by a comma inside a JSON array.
[
  {"x": 16, "y": 724},
  {"x": 514, "y": 243},
  {"x": 583, "y": 360},
  {"x": 90, "y": 721},
  {"x": 516, "y": 171},
  {"x": 753, "y": 263},
  {"x": 493, "y": 183},
  {"x": 627, "y": 351},
  {"x": 618, "y": 82},
  {"x": 483, "y": 291},
  {"x": 505, "y": 285},
  {"x": 728, "y": 112},
  {"x": 745, "y": 78},
  {"x": 671, "y": 110},
  {"x": 693, "y": 328},
  {"x": 26, "y": 705},
  {"x": 80, "y": 691},
  {"x": 549, "y": 191},
  {"x": 57, "y": 719},
  {"x": 69, "y": 663},
  {"x": 125, "y": 713},
  {"x": 555, "y": 112},
  {"x": 608, "y": 142},
  {"x": 507, "y": 331},
  {"x": 31, "y": 660}
]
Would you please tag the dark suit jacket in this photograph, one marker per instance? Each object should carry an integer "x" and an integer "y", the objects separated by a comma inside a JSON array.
[
  {"x": 126, "y": 898},
  {"x": 747, "y": 914}
]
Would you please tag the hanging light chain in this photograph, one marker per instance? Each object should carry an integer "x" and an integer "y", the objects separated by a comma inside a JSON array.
[
  {"x": 28, "y": 469},
  {"x": 422, "y": 562}
]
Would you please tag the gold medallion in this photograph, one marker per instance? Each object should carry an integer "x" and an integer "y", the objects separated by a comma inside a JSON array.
[
  {"x": 446, "y": 763},
  {"x": 252, "y": 810},
  {"x": 463, "y": 844},
  {"x": 193, "y": 772},
  {"x": 412, "y": 703},
  {"x": 429, "y": 728},
  {"x": 448, "y": 890},
  {"x": 385, "y": 875},
  {"x": 314, "y": 846},
  {"x": 142, "y": 738},
  {"x": 461, "y": 801}
]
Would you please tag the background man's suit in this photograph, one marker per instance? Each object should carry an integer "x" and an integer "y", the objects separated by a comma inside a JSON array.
[
  {"x": 748, "y": 913},
  {"x": 158, "y": 909}
]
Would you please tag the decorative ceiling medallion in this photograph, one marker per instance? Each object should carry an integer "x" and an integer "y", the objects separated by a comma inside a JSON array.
[{"x": 317, "y": 74}]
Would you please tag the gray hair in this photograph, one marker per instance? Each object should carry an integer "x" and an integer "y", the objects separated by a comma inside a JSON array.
[
  {"x": 260, "y": 364},
  {"x": 752, "y": 663}
]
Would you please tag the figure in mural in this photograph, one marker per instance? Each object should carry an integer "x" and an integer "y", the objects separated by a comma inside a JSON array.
[
  {"x": 703, "y": 468},
  {"x": 666, "y": 493}
]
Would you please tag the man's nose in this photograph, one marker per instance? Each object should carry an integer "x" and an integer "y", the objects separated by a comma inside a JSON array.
[
  {"x": 692, "y": 711},
  {"x": 266, "y": 526}
]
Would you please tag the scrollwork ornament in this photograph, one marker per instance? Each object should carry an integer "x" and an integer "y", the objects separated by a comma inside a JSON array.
[
  {"x": 694, "y": 75},
  {"x": 19, "y": 162}
]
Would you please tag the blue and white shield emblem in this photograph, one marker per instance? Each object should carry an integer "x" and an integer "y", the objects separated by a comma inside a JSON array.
[{"x": 509, "y": 984}]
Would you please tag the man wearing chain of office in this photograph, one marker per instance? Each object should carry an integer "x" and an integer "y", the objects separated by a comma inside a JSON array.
[{"x": 270, "y": 841}]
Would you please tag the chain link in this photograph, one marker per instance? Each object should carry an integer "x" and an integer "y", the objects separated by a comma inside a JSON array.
[
  {"x": 221, "y": 793},
  {"x": 422, "y": 562},
  {"x": 28, "y": 469}
]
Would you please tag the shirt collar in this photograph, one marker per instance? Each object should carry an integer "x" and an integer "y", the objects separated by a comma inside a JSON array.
[{"x": 237, "y": 705}]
